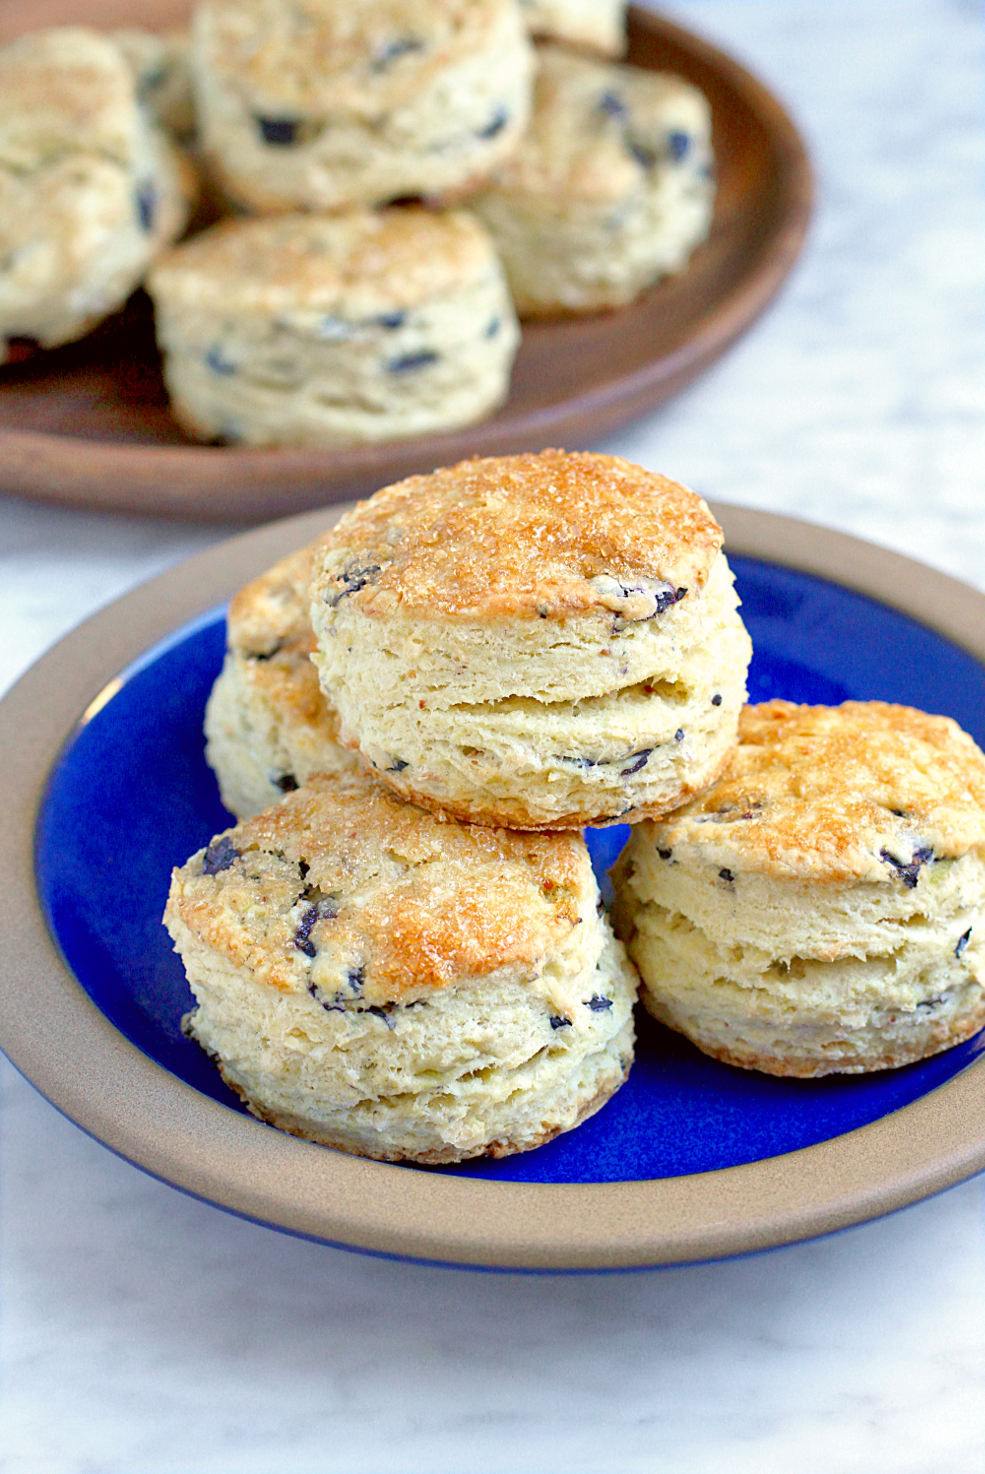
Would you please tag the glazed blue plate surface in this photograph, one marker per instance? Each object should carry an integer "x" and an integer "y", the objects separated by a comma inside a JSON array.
[{"x": 131, "y": 796}]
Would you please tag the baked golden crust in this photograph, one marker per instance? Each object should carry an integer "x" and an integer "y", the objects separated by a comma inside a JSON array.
[
  {"x": 66, "y": 89},
  {"x": 408, "y": 902},
  {"x": 862, "y": 791},
  {"x": 527, "y": 535},
  {"x": 356, "y": 263},
  {"x": 337, "y": 58},
  {"x": 596, "y": 130}
]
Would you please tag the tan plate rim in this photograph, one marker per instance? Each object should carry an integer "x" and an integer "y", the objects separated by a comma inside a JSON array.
[
  {"x": 56, "y": 1036},
  {"x": 248, "y": 485}
]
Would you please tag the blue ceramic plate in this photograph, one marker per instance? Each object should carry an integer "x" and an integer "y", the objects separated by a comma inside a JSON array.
[{"x": 131, "y": 796}]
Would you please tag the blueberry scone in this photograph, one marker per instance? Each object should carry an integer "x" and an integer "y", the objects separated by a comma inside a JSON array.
[
  {"x": 592, "y": 25},
  {"x": 822, "y": 908},
  {"x": 268, "y": 726},
  {"x": 90, "y": 191},
  {"x": 539, "y": 641},
  {"x": 334, "y": 329},
  {"x": 375, "y": 980},
  {"x": 323, "y": 104},
  {"x": 612, "y": 187}
]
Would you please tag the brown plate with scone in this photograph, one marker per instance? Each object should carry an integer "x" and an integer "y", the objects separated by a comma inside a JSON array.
[{"x": 89, "y": 425}]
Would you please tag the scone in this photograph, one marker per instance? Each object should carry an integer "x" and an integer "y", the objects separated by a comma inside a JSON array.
[
  {"x": 268, "y": 726},
  {"x": 323, "y": 104},
  {"x": 334, "y": 329},
  {"x": 161, "y": 65},
  {"x": 374, "y": 980},
  {"x": 90, "y": 192},
  {"x": 822, "y": 907},
  {"x": 612, "y": 187},
  {"x": 594, "y": 25},
  {"x": 540, "y": 641}
]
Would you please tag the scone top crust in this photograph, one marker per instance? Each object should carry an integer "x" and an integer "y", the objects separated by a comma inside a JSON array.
[
  {"x": 597, "y": 127},
  {"x": 270, "y": 614},
  {"x": 352, "y": 264},
  {"x": 403, "y": 903},
  {"x": 864, "y": 791},
  {"x": 527, "y": 536},
  {"x": 64, "y": 89},
  {"x": 331, "y": 56}
]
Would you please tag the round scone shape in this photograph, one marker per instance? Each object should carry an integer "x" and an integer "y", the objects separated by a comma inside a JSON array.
[
  {"x": 90, "y": 191},
  {"x": 612, "y": 187},
  {"x": 821, "y": 908},
  {"x": 594, "y": 25},
  {"x": 268, "y": 726},
  {"x": 334, "y": 329},
  {"x": 322, "y": 104},
  {"x": 539, "y": 641},
  {"x": 375, "y": 980}
]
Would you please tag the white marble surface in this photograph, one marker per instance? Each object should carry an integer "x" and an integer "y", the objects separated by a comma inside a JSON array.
[{"x": 141, "y": 1331}]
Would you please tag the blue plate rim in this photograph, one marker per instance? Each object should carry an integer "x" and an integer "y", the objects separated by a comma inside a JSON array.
[{"x": 59, "y": 1040}]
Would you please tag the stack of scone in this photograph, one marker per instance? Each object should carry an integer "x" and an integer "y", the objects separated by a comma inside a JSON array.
[
  {"x": 364, "y": 303},
  {"x": 406, "y": 955},
  {"x": 401, "y": 950}
]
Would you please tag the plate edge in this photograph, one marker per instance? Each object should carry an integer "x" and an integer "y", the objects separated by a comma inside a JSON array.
[{"x": 630, "y": 1238}]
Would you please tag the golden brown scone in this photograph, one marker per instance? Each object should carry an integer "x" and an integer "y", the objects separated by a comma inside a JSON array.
[
  {"x": 268, "y": 725},
  {"x": 90, "y": 191},
  {"x": 541, "y": 641},
  {"x": 362, "y": 326},
  {"x": 611, "y": 188},
  {"x": 322, "y": 104},
  {"x": 822, "y": 907},
  {"x": 376, "y": 980}
]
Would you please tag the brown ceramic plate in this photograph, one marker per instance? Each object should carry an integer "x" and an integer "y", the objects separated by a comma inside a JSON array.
[
  {"x": 88, "y": 425},
  {"x": 54, "y": 1033}
]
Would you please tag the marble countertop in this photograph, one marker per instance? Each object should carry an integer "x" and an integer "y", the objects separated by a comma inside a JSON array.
[{"x": 142, "y": 1332}]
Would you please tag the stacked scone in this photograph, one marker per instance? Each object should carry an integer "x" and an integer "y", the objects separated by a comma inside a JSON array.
[
  {"x": 330, "y": 329},
  {"x": 542, "y": 641},
  {"x": 91, "y": 190},
  {"x": 364, "y": 304},
  {"x": 591, "y": 182},
  {"x": 406, "y": 956}
]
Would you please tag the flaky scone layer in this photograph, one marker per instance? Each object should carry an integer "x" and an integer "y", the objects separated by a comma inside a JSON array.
[
  {"x": 267, "y": 724},
  {"x": 822, "y": 907},
  {"x": 540, "y": 641},
  {"x": 376, "y": 980},
  {"x": 328, "y": 329}
]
